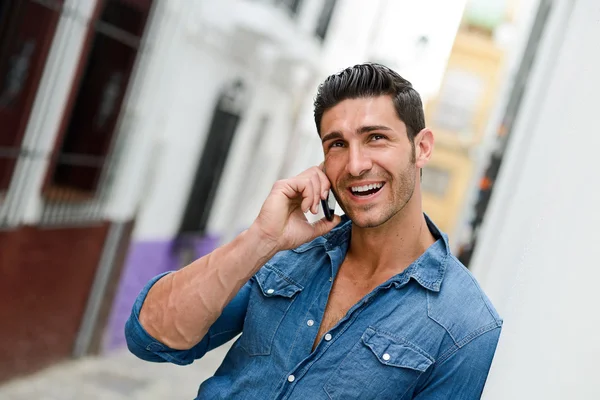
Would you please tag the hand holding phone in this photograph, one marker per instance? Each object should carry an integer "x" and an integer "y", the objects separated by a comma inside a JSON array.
[{"x": 282, "y": 221}]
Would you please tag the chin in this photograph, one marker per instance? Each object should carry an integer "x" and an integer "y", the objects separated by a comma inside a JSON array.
[{"x": 367, "y": 221}]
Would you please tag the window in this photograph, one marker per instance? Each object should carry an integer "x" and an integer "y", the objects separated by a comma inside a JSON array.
[
  {"x": 88, "y": 129},
  {"x": 26, "y": 31},
  {"x": 226, "y": 118},
  {"x": 325, "y": 18},
  {"x": 459, "y": 101}
]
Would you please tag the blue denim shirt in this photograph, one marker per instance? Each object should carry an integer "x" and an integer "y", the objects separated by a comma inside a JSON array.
[{"x": 427, "y": 333}]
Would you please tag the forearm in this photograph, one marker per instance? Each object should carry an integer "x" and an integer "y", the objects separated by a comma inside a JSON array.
[{"x": 181, "y": 307}]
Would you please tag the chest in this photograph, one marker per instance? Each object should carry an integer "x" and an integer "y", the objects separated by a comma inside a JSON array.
[
  {"x": 369, "y": 355},
  {"x": 345, "y": 293}
]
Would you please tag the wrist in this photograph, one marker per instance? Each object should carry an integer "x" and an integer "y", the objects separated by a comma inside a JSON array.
[{"x": 266, "y": 246}]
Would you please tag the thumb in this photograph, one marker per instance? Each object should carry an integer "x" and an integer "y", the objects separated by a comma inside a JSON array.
[{"x": 323, "y": 226}]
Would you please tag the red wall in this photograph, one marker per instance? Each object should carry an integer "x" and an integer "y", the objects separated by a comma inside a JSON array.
[{"x": 45, "y": 279}]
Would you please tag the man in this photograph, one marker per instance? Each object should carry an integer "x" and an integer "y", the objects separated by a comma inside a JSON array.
[{"x": 368, "y": 306}]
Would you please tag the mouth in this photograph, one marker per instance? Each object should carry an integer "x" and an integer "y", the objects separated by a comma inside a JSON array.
[{"x": 366, "y": 190}]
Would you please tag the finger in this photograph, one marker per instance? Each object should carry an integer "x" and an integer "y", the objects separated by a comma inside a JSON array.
[
  {"x": 317, "y": 193},
  {"x": 323, "y": 226},
  {"x": 292, "y": 188},
  {"x": 297, "y": 190},
  {"x": 325, "y": 184},
  {"x": 305, "y": 187},
  {"x": 313, "y": 174}
]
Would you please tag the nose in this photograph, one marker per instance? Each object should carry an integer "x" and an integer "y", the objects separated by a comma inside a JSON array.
[{"x": 358, "y": 161}]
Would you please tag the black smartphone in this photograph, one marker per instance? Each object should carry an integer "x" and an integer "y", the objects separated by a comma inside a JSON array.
[{"x": 329, "y": 206}]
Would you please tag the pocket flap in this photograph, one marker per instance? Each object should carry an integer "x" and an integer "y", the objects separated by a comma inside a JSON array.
[
  {"x": 273, "y": 282},
  {"x": 396, "y": 352}
]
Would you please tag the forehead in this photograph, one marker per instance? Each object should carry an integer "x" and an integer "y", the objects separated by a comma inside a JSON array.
[{"x": 351, "y": 114}]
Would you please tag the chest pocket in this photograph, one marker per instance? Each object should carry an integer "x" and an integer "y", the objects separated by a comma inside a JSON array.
[
  {"x": 379, "y": 366},
  {"x": 271, "y": 297}
]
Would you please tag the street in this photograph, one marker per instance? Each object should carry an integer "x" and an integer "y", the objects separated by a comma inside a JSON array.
[{"x": 118, "y": 376}]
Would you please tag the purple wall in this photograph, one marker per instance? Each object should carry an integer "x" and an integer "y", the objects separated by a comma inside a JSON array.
[{"x": 145, "y": 260}]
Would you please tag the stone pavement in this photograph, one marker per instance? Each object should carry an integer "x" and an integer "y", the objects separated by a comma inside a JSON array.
[{"x": 118, "y": 376}]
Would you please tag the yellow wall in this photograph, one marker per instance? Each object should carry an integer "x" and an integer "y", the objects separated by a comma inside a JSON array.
[
  {"x": 467, "y": 95},
  {"x": 443, "y": 207}
]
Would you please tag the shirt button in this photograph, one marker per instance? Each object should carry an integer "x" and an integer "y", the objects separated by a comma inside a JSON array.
[
  {"x": 291, "y": 378},
  {"x": 386, "y": 357},
  {"x": 310, "y": 322},
  {"x": 327, "y": 337},
  {"x": 270, "y": 291}
]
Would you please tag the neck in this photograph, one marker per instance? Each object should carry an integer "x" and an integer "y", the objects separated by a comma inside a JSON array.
[{"x": 390, "y": 248}]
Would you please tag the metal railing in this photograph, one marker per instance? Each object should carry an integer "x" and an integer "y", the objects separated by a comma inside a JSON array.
[
  {"x": 57, "y": 204},
  {"x": 32, "y": 190}
]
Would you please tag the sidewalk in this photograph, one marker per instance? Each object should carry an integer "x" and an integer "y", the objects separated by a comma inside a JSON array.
[{"x": 119, "y": 376}]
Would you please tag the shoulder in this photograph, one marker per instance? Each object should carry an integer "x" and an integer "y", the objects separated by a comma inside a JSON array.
[
  {"x": 461, "y": 307},
  {"x": 300, "y": 264},
  {"x": 296, "y": 266}
]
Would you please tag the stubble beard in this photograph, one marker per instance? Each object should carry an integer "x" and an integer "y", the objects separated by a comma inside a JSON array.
[{"x": 402, "y": 194}]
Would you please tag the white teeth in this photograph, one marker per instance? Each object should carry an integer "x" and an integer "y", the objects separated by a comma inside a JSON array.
[{"x": 366, "y": 187}]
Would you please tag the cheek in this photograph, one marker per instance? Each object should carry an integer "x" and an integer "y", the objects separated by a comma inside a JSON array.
[
  {"x": 391, "y": 161},
  {"x": 334, "y": 163}
]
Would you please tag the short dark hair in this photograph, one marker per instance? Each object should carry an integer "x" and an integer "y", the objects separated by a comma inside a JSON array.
[{"x": 370, "y": 80}]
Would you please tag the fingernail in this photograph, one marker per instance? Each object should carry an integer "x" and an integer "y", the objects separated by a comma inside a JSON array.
[{"x": 325, "y": 194}]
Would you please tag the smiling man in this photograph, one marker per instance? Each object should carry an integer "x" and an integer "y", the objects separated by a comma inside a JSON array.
[{"x": 369, "y": 306}]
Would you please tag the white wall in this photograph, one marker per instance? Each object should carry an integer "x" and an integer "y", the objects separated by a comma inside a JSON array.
[
  {"x": 253, "y": 162},
  {"x": 387, "y": 30},
  {"x": 536, "y": 257},
  {"x": 196, "y": 76},
  {"x": 207, "y": 47},
  {"x": 145, "y": 112},
  {"x": 402, "y": 23}
]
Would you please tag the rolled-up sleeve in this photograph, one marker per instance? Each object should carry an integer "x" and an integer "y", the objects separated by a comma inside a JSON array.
[
  {"x": 462, "y": 375},
  {"x": 227, "y": 326}
]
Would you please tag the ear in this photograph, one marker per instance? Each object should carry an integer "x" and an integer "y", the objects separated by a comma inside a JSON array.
[{"x": 424, "y": 142}]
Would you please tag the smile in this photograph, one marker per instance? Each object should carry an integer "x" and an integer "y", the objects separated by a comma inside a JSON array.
[{"x": 366, "y": 190}]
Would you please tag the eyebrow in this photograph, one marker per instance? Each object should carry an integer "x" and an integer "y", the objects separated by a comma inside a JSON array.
[{"x": 362, "y": 129}]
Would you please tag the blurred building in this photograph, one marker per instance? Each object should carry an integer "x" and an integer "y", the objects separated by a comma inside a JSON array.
[
  {"x": 535, "y": 255},
  {"x": 119, "y": 120},
  {"x": 459, "y": 112},
  {"x": 517, "y": 29},
  {"x": 67, "y": 117}
]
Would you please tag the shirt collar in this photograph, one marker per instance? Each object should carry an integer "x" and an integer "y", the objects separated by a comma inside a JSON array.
[{"x": 428, "y": 270}]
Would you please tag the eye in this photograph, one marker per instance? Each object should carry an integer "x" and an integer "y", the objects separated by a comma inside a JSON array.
[
  {"x": 376, "y": 137},
  {"x": 337, "y": 143}
]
